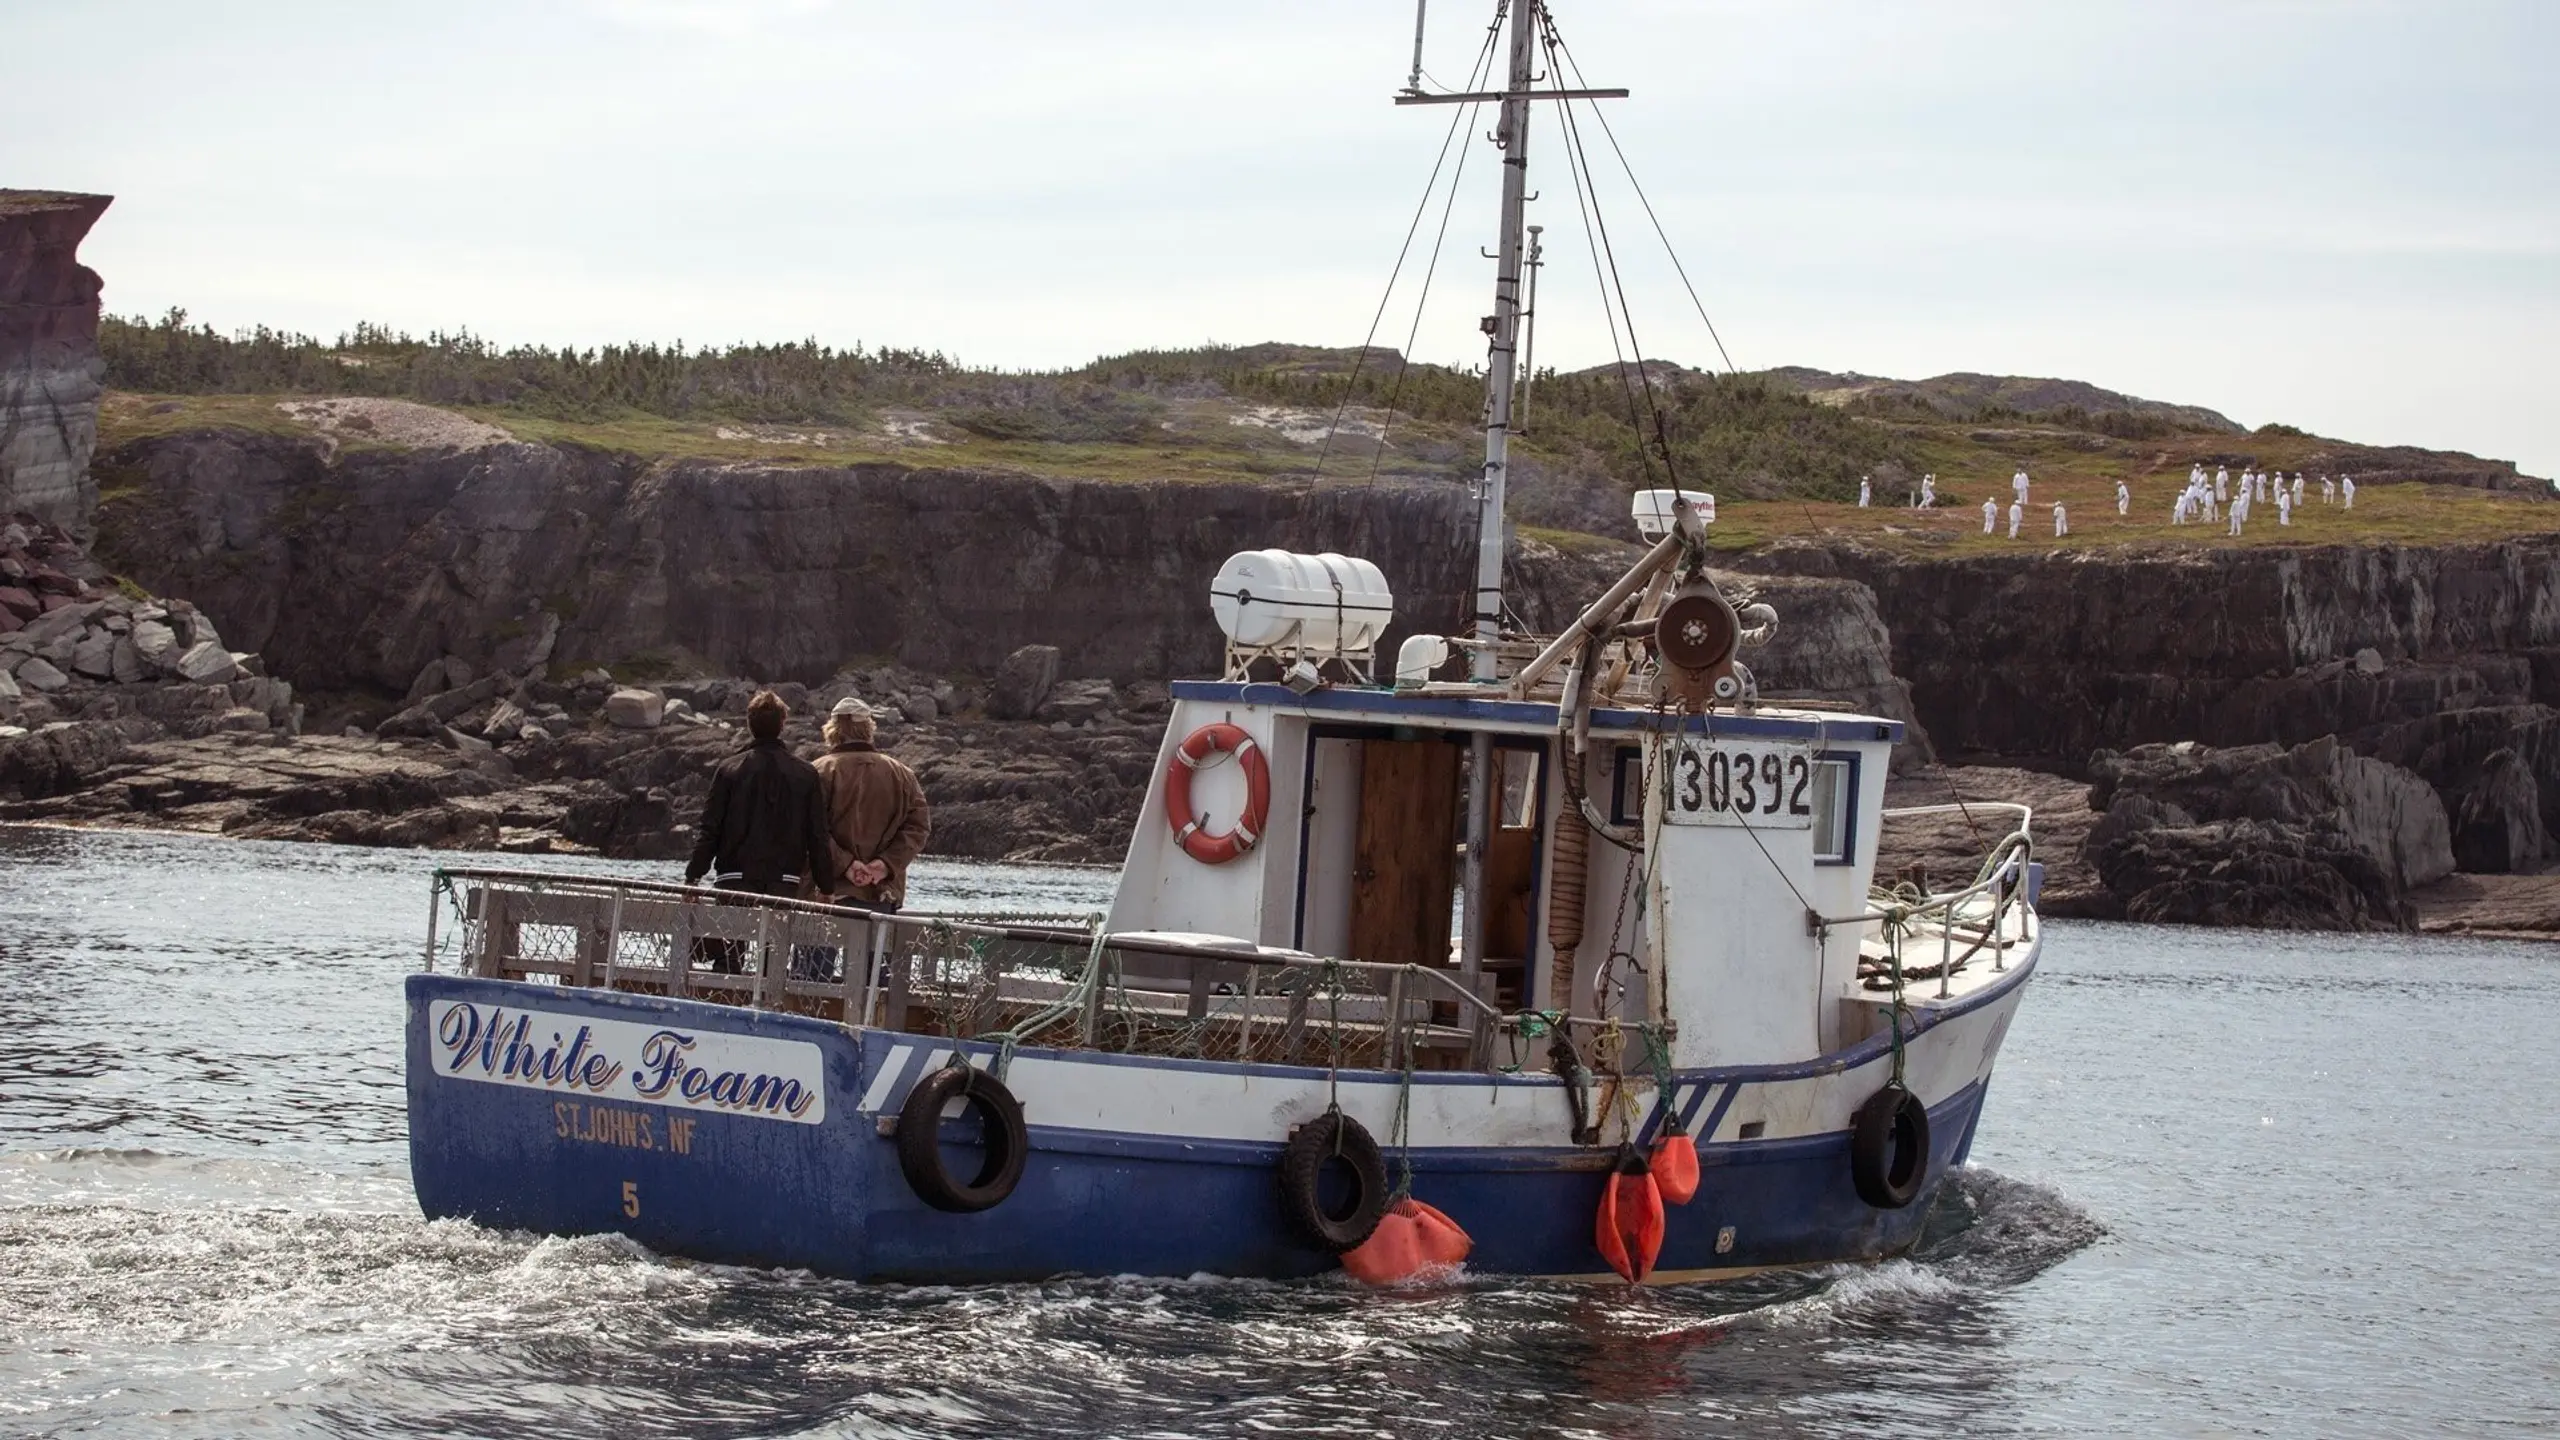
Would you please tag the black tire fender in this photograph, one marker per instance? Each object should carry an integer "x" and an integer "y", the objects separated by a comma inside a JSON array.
[
  {"x": 1008, "y": 1142},
  {"x": 1889, "y": 1148},
  {"x": 1333, "y": 1135}
]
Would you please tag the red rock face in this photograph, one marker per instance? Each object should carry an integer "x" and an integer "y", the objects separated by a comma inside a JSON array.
[
  {"x": 47, "y": 297},
  {"x": 49, "y": 365}
]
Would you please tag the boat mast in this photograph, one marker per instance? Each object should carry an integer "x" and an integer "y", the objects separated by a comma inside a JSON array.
[
  {"x": 1501, "y": 361},
  {"x": 1501, "y": 374},
  {"x": 1511, "y": 134}
]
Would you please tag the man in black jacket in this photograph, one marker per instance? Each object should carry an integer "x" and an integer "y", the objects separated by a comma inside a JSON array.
[{"x": 764, "y": 829}]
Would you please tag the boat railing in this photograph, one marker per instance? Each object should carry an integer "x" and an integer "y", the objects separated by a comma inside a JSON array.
[
  {"x": 1022, "y": 980},
  {"x": 1975, "y": 913}
]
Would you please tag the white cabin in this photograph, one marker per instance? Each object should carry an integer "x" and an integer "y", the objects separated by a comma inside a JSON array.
[{"x": 1364, "y": 845}]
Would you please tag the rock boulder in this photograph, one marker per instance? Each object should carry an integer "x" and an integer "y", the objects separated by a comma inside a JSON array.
[
  {"x": 155, "y": 642},
  {"x": 207, "y": 663},
  {"x": 1022, "y": 682},
  {"x": 1076, "y": 701},
  {"x": 2497, "y": 827},
  {"x": 60, "y": 759},
  {"x": 505, "y": 723},
  {"x": 632, "y": 709},
  {"x": 95, "y": 655},
  {"x": 2310, "y": 837}
]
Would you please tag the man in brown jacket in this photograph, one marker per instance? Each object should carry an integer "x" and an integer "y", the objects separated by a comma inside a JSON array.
[{"x": 875, "y": 811}]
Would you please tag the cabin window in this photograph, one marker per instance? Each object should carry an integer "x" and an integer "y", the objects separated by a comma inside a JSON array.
[
  {"x": 1517, "y": 773},
  {"x": 1626, "y": 790},
  {"x": 1835, "y": 792}
]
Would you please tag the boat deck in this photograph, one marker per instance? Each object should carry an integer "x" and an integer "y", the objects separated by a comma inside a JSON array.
[{"x": 1062, "y": 982}]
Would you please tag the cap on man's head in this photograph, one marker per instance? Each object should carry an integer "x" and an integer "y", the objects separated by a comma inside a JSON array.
[{"x": 852, "y": 705}]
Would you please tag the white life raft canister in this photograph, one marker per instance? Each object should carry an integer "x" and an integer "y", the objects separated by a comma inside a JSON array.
[{"x": 1328, "y": 602}]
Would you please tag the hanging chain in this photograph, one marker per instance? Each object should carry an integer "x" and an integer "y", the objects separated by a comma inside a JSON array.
[{"x": 1893, "y": 954}]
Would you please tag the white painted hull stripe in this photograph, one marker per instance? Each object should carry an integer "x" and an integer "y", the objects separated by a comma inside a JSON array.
[
  {"x": 1715, "y": 1117},
  {"x": 886, "y": 1081}
]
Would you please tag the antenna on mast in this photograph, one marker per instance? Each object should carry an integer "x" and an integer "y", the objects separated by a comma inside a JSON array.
[
  {"x": 1413, "y": 82},
  {"x": 1529, "y": 333}
]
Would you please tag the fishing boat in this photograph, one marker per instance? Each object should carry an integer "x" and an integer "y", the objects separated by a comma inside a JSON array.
[{"x": 1565, "y": 952}]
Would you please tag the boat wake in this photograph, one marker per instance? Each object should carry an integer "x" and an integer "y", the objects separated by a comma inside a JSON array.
[
  {"x": 1989, "y": 1233},
  {"x": 170, "y": 1294}
]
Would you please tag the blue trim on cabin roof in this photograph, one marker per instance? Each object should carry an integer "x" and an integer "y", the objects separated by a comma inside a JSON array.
[{"x": 1390, "y": 706}]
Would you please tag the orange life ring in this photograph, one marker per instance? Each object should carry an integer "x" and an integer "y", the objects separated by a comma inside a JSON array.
[{"x": 1199, "y": 750}]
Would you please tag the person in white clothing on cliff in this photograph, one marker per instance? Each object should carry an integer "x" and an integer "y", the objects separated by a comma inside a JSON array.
[
  {"x": 2061, "y": 522},
  {"x": 2018, "y": 483},
  {"x": 2297, "y": 489},
  {"x": 2240, "y": 510},
  {"x": 2124, "y": 498},
  {"x": 1990, "y": 515},
  {"x": 2221, "y": 486},
  {"x": 2284, "y": 506},
  {"x": 2017, "y": 514},
  {"x": 1866, "y": 491},
  {"x": 2347, "y": 488},
  {"x": 1928, "y": 492},
  {"x": 2328, "y": 491}
]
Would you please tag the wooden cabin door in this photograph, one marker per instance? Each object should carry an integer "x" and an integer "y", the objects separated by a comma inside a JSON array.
[
  {"x": 1404, "y": 869},
  {"x": 1511, "y": 854}
]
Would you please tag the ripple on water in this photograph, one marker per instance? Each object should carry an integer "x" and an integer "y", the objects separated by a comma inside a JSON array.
[
  {"x": 221, "y": 1293},
  {"x": 2320, "y": 1160}
]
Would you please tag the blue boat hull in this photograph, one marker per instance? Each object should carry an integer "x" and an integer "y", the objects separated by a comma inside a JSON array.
[{"x": 829, "y": 1196}]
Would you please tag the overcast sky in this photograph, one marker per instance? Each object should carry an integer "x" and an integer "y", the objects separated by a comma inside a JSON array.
[{"x": 2343, "y": 214}]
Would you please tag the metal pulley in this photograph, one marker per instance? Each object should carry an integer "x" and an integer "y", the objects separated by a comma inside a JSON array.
[{"x": 1695, "y": 639}]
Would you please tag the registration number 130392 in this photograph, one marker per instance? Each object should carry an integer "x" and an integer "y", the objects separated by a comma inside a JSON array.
[{"x": 1739, "y": 782}]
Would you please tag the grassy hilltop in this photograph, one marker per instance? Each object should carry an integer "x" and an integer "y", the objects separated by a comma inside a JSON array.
[{"x": 1783, "y": 450}]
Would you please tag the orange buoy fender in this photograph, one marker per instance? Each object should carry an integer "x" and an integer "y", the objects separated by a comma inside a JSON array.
[
  {"x": 1199, "y": 750},
  {"x": 1675, "y": 1167},
  {"x": 1629, "y": 1228},
  {"x": 1413, "y": 1239},
  {"x": 1444, "y": 1241}
]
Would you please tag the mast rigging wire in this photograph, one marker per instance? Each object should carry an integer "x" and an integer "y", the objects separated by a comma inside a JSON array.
[
  {"x": 1404, "y": 358},
  {"x": 1351, "y": 384},
  {"x": 1659, "y": 233},
  {"x": 1604, "y": 265}
]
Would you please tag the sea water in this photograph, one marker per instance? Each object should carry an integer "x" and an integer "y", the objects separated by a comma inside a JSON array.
[{"x": 2227, "y": 1183}]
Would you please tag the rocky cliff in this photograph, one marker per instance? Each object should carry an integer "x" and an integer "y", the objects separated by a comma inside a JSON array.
[
  {"x": 49, "y": 365},
  {"x": 2442, "y": 660},
  {"x": 361, "y": 568},
  {"x": 461, "y": 599},
  {"x": 2050, "y": 657}
]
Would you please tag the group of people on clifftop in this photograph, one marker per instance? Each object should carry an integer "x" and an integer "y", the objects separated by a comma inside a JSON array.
[
  {"x": 843, "y": 829},
  {"x": 2207, "y": 500},
  {"x": 2202, "y": 500}
]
